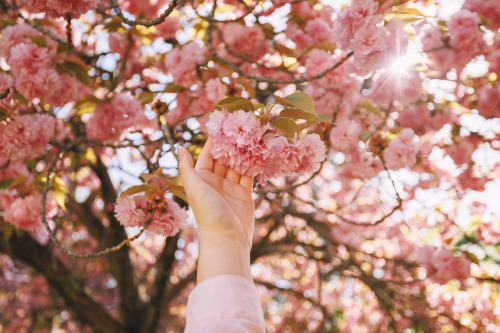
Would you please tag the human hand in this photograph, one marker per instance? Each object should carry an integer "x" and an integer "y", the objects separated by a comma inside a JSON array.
[{"x": 223, "y": 207}]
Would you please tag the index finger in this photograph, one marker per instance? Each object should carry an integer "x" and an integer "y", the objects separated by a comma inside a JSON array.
[{"x": 205, "y": 159}]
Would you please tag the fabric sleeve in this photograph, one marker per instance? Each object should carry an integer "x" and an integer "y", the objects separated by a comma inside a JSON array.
[{"x": 224, "y": 303}]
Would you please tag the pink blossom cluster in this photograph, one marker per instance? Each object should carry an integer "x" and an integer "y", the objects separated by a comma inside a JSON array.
[
  {"x": 148, "y": 8},
  {"x": 134, "y": 211},
  {"x": 25, "y": 137},
  {"x": 488, "y": 103},
  {"x": 401, "y": 151},
  {"x": 465, "y": 42},
  {"x": 249, "y": 41},
  {"x": 34, "y": 67},
  {"x": 15, "y": 170},
  {"x": 316, "y": 30},
  {"x": 423, "y": 120},
  {"x": 461, "y": 151},
  {"x": 345, "y": 136},
  {"x": 356, "y": 29},
  {"x": 443, "y": 265},
  {"x": 199, "y": 102},
  {"x": 113, "y": 118},
  {"x": 58, "y": 8},
  {"x": 489, "y": 9},
  {"x": 465, "y": 37},
  {"x": 25, "y": 213},
  {"x": 390, "y": 85},
  {"x": 250, "y": 148},
  {"x": 182, "y": 63}
]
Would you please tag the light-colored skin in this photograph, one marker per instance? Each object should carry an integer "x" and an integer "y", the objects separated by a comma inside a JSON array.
[{"x": 224, "y": 210}]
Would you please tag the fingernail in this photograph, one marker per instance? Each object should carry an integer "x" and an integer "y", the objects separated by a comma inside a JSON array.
[{"x": 180, "y": 151}]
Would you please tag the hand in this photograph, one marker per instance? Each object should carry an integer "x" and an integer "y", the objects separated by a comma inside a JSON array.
[{"x": 223, "y": 207}]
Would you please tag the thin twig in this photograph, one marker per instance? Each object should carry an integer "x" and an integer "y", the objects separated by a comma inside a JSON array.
[
  {"x": 68, "y": 32},
  {"x": 33, "y": 24},
  {"x": 147, "y": 23},
  {"x": 53, "y": 236},
  {"x": 235, "y": 68}
]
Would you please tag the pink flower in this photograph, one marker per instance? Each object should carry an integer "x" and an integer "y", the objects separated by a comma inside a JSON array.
[
  {"x": 389, "y": 85},
  {"x": 469, "y": 180},
  {"x": 168, "y": 28},
  {"x": 27, "y": 58},
  {"x": 461, "y": 152},
  {"x": 372, "y": 47},
  {"x": 320, "y": 31},
  {"x": 247, "y": 41},
  {"x": 182, "y": 63},
  {"x": 149, "y": 8},
  {"x": 443, "y": 265},
  {"x": 490, "y": 9},
  {"x": 489, "y": 232},
  {"x": 14, "y": 35},
  {"x": 422, "y": 120},
  {"x": 215, "y": 90},
  {"x": 402, "y": 151},
  {"x": 57, "y": 8},
  {"x": 129, "y": 211},
  {"x": 345, "y": 136},
  {"x": 250, "y": 148},
  {"x": 488, "y": 103},
  {"x": 113, "y": 118},
  {"x": 15, "y": 170},
  {"x": 168, "y": 221},
  {"x": 361, "y": 12},
  {"x": 465, "y": 37},
  {"x": 25, "y": 136},
  {"x": 25, "y": 213}
]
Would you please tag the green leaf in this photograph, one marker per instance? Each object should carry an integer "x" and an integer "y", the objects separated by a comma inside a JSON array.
[
  {"x": 75, "y": 67},
  {"x": 146, "y": 97},
  {"x": 62, "y": 48},
  {"x": 235, "y": 103},
  {"x": 180, "y": 193},
  {"x": 370, "y": 107},
  {"x": 6, "y": 183},
  {"x": 6, "y": 22},
  {"x": 39, "y": 40},
  {"x": 287, "y": 126},
  {"x": 407, "y": 10},
  {"x": 297, "y": 100},
  {"x": 171, "y": 88},
  {"x": 301, "y": 114},
  {"x": 8, "y": 231},
  {"x": 3, "y": 114},
  {"x": 365, "y": 135},
  {"x": 471, "y": 256},
  {"x": 134, "y": 190}
]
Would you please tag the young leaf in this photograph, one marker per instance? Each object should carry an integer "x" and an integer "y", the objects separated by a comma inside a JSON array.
[
  {"x": 134, "y": 190},
  {"x": 6, "y": 183},
  {"x": 287, "y": 126},
  {"x": 75, "y": 67},
  {"x": 297, "y": 100},
  {"x": 300, "y": 114},
  {"x": 39, "y": 40},
  {"x": 370, "y": 107},
  {"x": 235, "y": 103}
]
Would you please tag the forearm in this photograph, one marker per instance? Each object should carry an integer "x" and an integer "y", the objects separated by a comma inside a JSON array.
[{"x": 221, "y": 255}]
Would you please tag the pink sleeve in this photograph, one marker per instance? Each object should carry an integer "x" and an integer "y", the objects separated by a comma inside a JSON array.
[{"x": 224, "y": 303}]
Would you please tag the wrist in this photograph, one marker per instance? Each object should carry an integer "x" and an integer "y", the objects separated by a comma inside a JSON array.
[{"x": 221, "y": 255}]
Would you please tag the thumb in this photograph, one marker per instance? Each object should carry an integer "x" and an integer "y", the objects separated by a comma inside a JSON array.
[{"x": 188, "y": 174}]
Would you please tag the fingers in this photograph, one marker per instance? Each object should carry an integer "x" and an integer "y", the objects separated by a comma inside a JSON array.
[
  {"x": 188, "y": 174},
  {"x": 219, "y": 169},
  {"x": 233, "y": 176},
  {"x": 247, "y": 182},
  {"x": 205, "y": 160}
]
